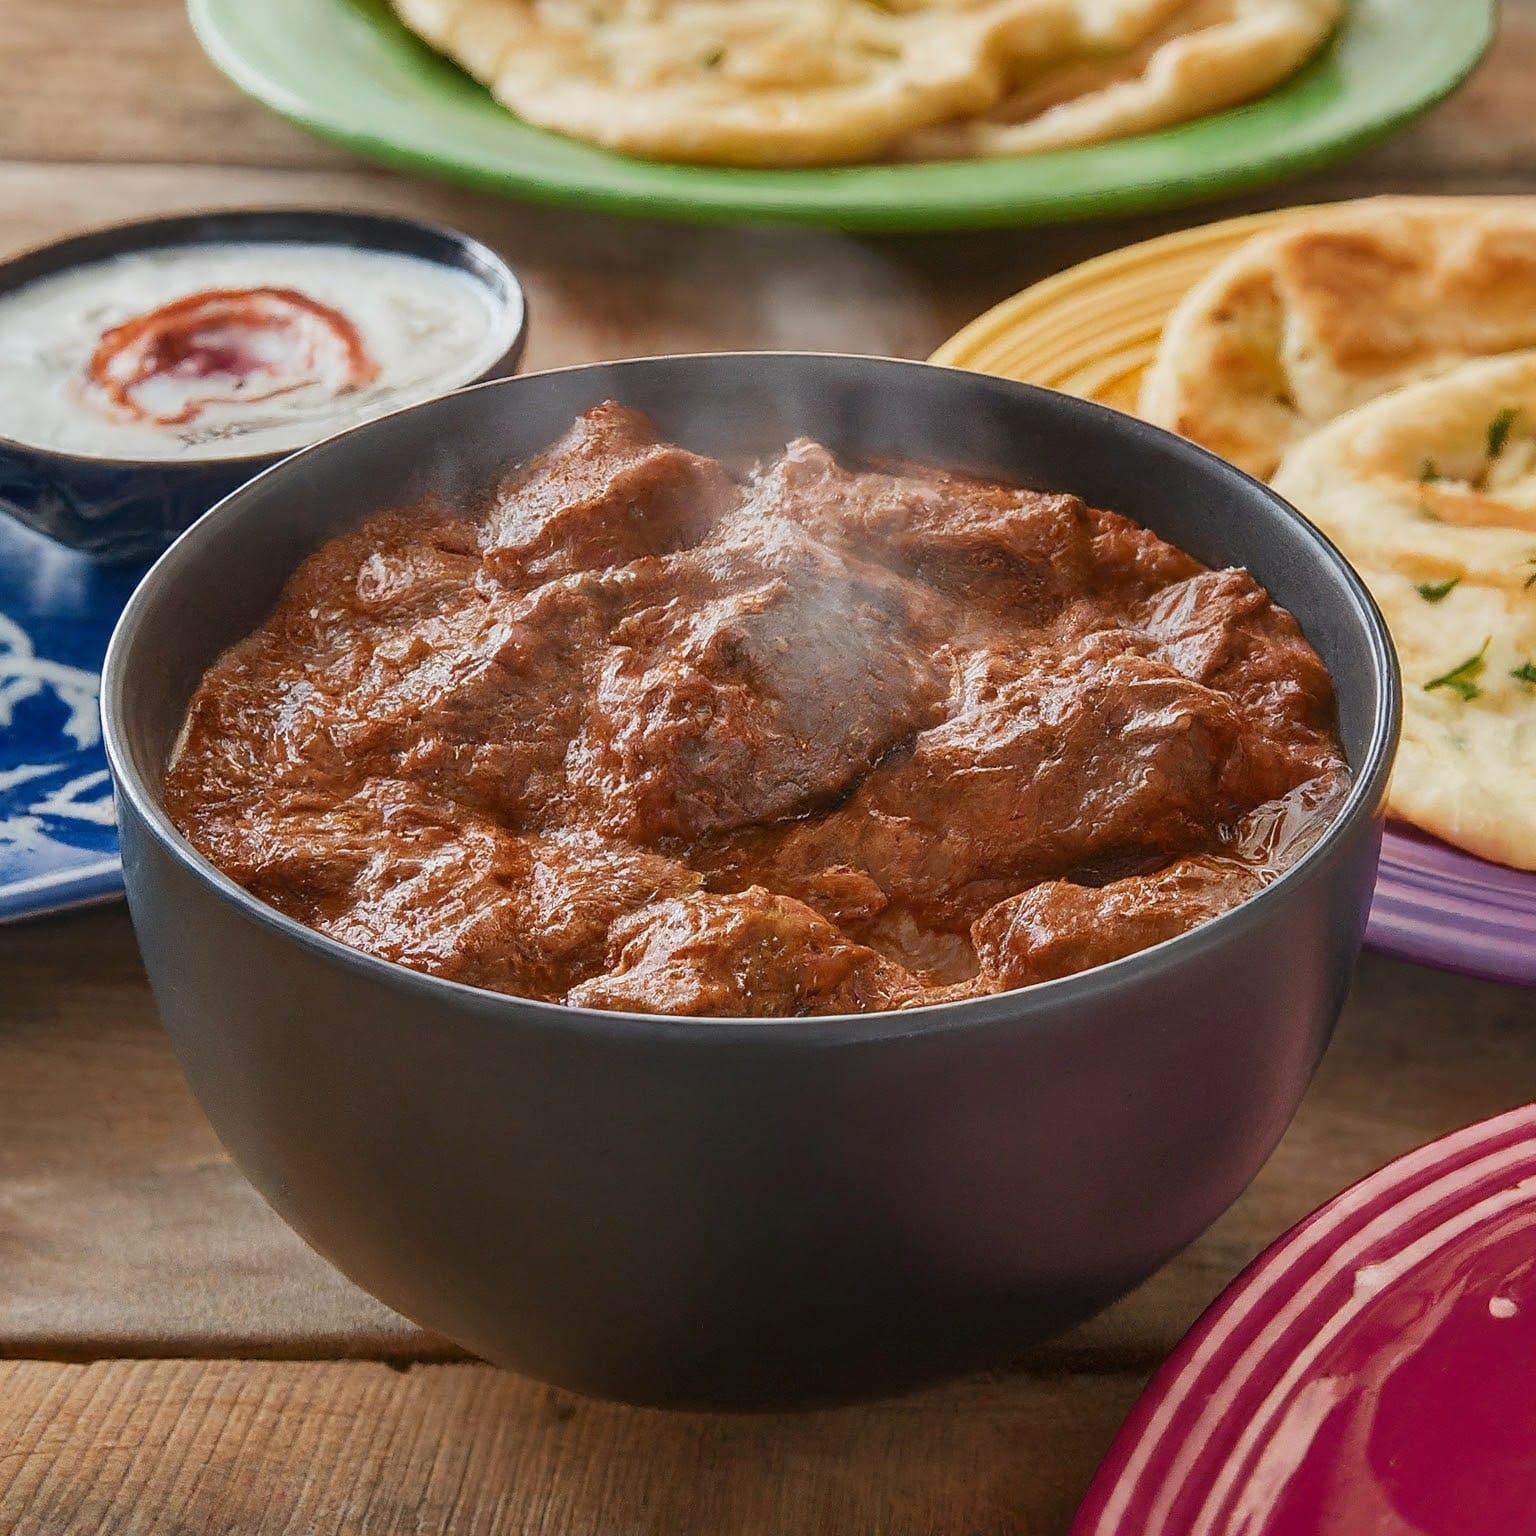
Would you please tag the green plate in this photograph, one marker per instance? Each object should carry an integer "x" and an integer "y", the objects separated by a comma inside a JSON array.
[{"x": 348, "y": 70}]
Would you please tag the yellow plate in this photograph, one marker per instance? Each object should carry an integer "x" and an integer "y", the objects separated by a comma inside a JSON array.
[{"x": 1093, "y": 329}]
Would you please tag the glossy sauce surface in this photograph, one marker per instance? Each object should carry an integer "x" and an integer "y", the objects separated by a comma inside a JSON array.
[{"x": 645, "y": 735}]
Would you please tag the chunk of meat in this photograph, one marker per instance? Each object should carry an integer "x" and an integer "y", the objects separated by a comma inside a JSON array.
[
  {"x": 776, "y": 673},
  {"x": 1221, "y": 629},
  {"x": 454, "y": 895},
  {"x": 841, "y": 741},
  {"x": 450, "y": 900},
  {"x": 1058, "y": 928},
  {"x": 607, "y": 493},
  {"x": 482, "y": 706},
  {"x": 578, "y": 887},
  {"x": 1030, "y": 552},
  {"x": 267, "y": 716},
  {"x": 1046, "y": 764},
  {"x": 750, "y": 953},
  {"x": 392, "y": 571}
]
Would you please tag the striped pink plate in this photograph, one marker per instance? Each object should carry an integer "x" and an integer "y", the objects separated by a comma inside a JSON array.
[
  {"x": 1372, "y": 1374},
  {"x": 1442, "y": 907}
]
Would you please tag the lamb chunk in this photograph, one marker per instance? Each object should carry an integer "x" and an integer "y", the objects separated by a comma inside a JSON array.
[
  {"x": 749, "y": 954},
  {"x": 1097, "y": 757},
  {"x": 1024, "y": 552},
  {"x": 392, "y": 569},
  {"x": 578, "y": 886},
  {"x": 1058, "y": 928},
  {"x": 605, "y": 494},
  {"x": 776, "y": 674},
  {"x": 454, "y": 895},
  {"x": 1221, "y": 629},
  {"x": 482, "y": 706},
  {"x": 266, "y": 718}
]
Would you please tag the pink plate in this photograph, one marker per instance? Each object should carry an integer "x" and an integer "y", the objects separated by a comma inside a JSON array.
[
  {"x": 1372, "y": 1374},
  {"x": 1442, "y": 907}
]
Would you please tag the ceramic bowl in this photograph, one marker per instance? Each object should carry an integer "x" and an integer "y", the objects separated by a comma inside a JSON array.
[
  {"x": 752, "y": 1212},
  {"x": 122, "y": 509}
]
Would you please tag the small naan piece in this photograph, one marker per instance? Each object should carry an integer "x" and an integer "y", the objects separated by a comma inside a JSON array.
[
  {"x": 1207, "y": 56},
  {"x": 1430, "y": 492},
  {"x": 758, "y": 82},
  {"x": 1300, "y": 325}
]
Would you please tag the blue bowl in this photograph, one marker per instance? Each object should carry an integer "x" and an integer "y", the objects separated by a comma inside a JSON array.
[{"x": 126, "y": 509}]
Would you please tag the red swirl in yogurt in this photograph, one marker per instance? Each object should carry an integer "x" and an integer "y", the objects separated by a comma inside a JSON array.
[
  {"x": 227, "y": 346},
  {"x": 236, "y": 348}
]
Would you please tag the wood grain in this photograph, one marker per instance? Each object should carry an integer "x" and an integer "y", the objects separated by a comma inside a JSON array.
[
  {"x": 175, "y": 1448},
  {"x": 129, "y": 82},
  {"x": 126, "y": 1232},
  {"x": 133, "y": 1234},
  {"x": 123, "y": 1224}
]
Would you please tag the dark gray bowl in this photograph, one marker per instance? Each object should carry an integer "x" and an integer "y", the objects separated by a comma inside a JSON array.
[
  {"x": 129, "y": 509},
  {"x": 744, "y": 1213}
]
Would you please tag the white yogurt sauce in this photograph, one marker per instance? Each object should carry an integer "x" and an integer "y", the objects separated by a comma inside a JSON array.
[{"x": 428, "y": 327}]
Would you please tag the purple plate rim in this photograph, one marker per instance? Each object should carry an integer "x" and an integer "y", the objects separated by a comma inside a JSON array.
[{"x": 1439, "y": 906}]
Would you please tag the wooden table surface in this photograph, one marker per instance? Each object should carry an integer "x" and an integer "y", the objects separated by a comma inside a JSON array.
[{"x": 172, "y": 1358}]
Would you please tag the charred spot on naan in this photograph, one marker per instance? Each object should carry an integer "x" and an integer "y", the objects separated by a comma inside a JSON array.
[{"x": 1335, "y": 310}]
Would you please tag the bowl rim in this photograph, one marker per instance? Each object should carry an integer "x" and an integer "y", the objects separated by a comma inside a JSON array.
[
  {"x": 1051, "y": 998},
  {"x": 351, "y": 228}
]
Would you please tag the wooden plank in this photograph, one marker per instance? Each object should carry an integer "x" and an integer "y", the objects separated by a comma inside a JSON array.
[
  {"x": 126, "y": 1230},
  {"x": 124, "y": 1448},
  {"x": 123, "y": 1224},
  {"x": 124, "y": 80}
]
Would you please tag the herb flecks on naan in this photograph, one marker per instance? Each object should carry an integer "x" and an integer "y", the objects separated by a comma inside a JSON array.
[
  {"x": 1301, "y": 325},
  {"x": 1430, "y": 492},
  {"x": 818, "y": 82}
]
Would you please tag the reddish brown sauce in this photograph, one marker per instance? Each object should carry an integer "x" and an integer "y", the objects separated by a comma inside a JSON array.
[
  {"x": 223, "y": 346},
  {"x": 644, "y": 736}
]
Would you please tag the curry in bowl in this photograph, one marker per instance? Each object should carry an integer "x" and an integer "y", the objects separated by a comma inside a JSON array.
[{"x": 653, "y": 733}]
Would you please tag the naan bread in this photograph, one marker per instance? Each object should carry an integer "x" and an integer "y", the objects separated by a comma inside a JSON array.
[
  {"x": 1430, "y": 492},
  {"x": 758, "y": 82},
  {"x": 811, "y": 82},
  {"x": 1211, "y": 54},
  {"x": 1305, "y": 323}
]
